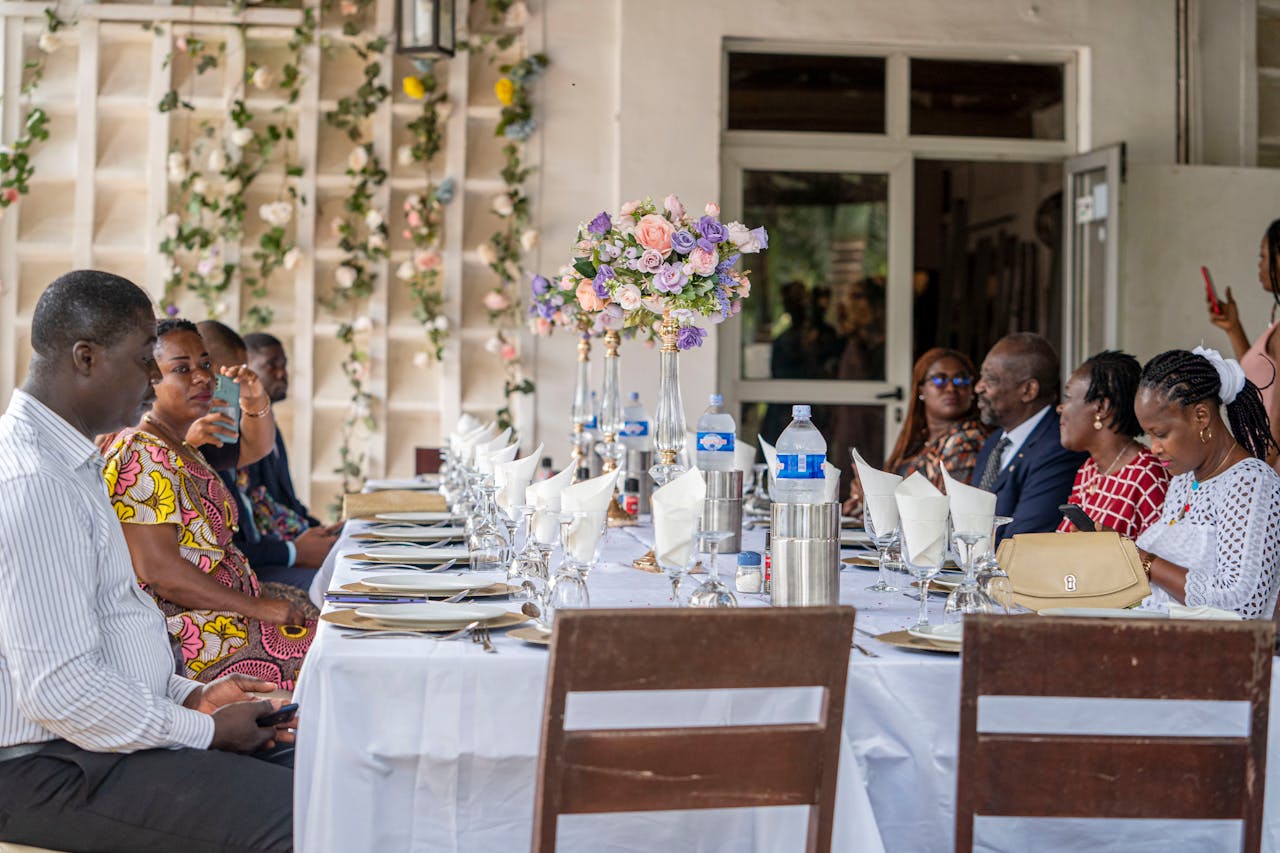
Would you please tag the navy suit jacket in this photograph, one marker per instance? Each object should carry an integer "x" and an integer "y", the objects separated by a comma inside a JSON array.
[{"x": 1037, "y": 480}]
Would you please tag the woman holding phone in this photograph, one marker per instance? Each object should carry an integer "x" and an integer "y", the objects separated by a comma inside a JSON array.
[{"x": 1260, "y": 358}]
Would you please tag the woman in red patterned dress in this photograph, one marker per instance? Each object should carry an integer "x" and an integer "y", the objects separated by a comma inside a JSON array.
[
  {"x": 178, "y": 520},
  {"x": 1121, "y": 486}
]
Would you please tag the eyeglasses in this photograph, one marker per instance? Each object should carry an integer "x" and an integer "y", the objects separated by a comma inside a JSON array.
[{"x": 957, "y": 381}]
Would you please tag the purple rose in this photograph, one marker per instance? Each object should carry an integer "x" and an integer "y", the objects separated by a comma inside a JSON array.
[
  {"x": 670, "y": 279},
  {"x": 650, "y": 262},
  {"x": 761, "y": 236},
  {"x": 689, "y": 337},
  {"x": 540, "y": 285},
  {"x": 603, "y": 274},
  {"x": 711, "y": 229},
  {"x": 601, "y": 224},
  {"x": 683, "y": 242},
  {"x": 612, "y": 317}
]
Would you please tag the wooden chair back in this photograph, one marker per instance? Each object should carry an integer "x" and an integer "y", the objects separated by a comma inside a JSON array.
[
  {"x": 710, "y": 767},
  {"x": 1116, "y": 776}
]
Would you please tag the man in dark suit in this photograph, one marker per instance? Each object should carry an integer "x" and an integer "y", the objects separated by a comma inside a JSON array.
[{"x": 1023, "y": 461}]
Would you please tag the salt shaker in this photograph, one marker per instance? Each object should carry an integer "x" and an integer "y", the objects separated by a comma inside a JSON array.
[{"x": 750, "y": 576}]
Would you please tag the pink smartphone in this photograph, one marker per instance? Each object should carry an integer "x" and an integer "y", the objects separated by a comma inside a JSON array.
[{"x": 1214, "y": 303}]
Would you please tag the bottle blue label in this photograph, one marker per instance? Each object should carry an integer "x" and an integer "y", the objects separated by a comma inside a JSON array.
[
  {"x": 801, "y": 466},
  {"x": 634, "y": 428},
  {"x": 591, "y": 424},
  {"x": 716, "y": 442}
]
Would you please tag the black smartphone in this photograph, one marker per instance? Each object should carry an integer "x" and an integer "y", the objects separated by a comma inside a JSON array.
[
  {"x": 283, "y": 714},
  {"x": 1075, "y": 515}
]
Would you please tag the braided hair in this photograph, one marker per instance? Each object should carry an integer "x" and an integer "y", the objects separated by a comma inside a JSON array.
[
  {"x": 1114, "y": 376},
  {"x": 174, "y": 324},
  {"x": 1187, "y": 378},
  {"x": 1273, "y": 267}
]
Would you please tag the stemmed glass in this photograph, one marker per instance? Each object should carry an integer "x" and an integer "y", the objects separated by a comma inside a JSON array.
[
  {"x": 759, "y": 501},
  {"x": 712, "y": 592},
  {"x": 489, "y": 542},
  {"x": 923, "y": 566},
  {"x": 991, "y": 578},
  {"x": 883, "y": 540},
  {"x": 581, "y": 535},
  {"x": 528, "y": 560},
  {"x": 968, "y": 596}
]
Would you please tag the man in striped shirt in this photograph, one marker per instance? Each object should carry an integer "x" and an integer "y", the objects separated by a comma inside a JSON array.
[{"x": 102, "y": 746}]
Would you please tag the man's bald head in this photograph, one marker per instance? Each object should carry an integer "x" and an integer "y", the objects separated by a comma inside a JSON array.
[
  {"x": 1019, "y": 377},
  {"x": 1035, "y": 358}
]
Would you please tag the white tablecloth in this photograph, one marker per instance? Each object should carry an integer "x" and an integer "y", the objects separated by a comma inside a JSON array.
[{"x": 417, "y": 745}]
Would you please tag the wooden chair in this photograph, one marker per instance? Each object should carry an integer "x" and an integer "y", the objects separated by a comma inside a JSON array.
[
  {"x": 711, "y": 767},
  {"x": 1129, "y": 776}
]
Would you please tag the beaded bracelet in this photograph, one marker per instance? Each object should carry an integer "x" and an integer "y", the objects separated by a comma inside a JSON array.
[{"x": 260, "y": 412}]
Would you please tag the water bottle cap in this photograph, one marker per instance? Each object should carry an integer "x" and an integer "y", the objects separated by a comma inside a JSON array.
[
  {"x": 635, "y": 396},
  {"x": 800, "y": 412},
  {"x": 717, "y": 399},
  {"x": 748, "y": 558}
]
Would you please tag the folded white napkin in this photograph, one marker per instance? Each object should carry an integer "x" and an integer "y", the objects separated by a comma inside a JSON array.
[
  {"x": 832, "y": 473},
  {"x": 466, "y": 424},
  {"x": 486, "y": 460},
  {"x": 590, "y": 496},
  {"x": 972, "y": 509},
  {"x": 1181, "y": 611},
  {"x": 546, "y": 497},
  {"x": 878, "y": 494},
  {"x": 467, "y": 444},
  {"x": 771, "y": 462},
  {"x": 922, "y": 512},
  {"x": 513, "y": 477},
  {"x": 677, "y": 506}
]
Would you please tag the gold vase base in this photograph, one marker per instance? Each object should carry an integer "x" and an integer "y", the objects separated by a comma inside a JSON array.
[
  {"x": 619, "y": 517},
  {"x": 647, "y": 563}
]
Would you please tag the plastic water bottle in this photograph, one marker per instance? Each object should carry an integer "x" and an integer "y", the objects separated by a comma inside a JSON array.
[
  {"x": 635, "y": 425},
  {"x": 592, "y": 425},
  {"x": 716, "y": 431},
  {"x": 801, "y": 452}
]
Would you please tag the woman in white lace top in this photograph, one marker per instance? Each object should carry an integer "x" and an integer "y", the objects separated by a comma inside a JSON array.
[{"x": 1217, "y": 542}]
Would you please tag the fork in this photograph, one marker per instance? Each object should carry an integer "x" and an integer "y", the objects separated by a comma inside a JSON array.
[
  {"x": 480, "y": 635},
  {"x": 865, "y": 651},
  {"x": 452, "y": 635},
  {"x": 374, "y": 566}
]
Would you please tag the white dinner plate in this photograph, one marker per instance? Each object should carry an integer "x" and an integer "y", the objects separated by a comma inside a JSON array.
[
  {"x": 855, "y": 537},
  {"x": 415, "y": 553},
  {"x": 411, "y": 485},
  {"x": 428, "y": 583},
  {"x": 1104, "y": 613},
  {"x": 417, "y": 534},
  {"x": 431, "y": 613},
  {"x": 949, "y": 634},
  {"x": 417, "y": 517}
]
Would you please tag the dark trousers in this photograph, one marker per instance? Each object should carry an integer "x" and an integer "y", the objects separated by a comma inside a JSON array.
[
  {"x": 292, "y": 575},
  {"x": 161, "y": 800}
]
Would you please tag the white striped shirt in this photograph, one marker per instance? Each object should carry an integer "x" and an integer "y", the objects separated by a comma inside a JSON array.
[{"x": 84, "y": 653}]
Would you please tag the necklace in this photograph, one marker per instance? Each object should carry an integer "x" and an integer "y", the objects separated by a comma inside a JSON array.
[
  {"x": 1099, "y": 475},
  {"x": 1195, "y": 484},
  {"x": 167, "y": 434}
]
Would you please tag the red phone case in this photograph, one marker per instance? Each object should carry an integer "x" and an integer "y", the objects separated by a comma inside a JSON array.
[{"x": 1210, "y": 292}]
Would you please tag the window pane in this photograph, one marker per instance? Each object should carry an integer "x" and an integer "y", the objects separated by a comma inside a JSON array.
[
  {"x": 1013, "y": 100},
  {"x": 834, "y": 94},
  {"x": 843, "y": 427},
  {"x": 817, "y": 306}
]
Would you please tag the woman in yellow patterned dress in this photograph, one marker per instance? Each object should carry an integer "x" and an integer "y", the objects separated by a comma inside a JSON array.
[{"x": 178, "y": 521}]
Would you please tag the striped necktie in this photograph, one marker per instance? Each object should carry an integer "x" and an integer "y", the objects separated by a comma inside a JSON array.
[{"x": 992, "y": 470}]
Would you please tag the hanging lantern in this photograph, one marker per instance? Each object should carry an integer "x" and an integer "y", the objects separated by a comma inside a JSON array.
[{"x": 425, "y": 27}]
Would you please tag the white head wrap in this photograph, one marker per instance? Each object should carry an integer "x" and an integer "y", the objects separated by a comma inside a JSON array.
[{"x": 1230, "y": 373}]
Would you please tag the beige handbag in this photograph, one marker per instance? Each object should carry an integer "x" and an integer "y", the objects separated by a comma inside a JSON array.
[{"x": 1099, "y": 569}]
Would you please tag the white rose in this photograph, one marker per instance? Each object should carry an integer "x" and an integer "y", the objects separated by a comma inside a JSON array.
[
  {"x": 502, "y": 205},
  {"x": 345, "y": 276},
  {"x": 49, "y": 42},
  {"x": 529, "y": 240},
  {"x": 170, "y": 226},
  {"x": 217, "y": 160},
  {"x": 357, "y": 159},
  {"x": 740, "y": 236},
  {"x": 421, "y": 359},
  {"x": 292, "y": 257},
  {"x": 277, "y": 213},
  {"x": 512, "y": 270},
  {"x": 404, "y": 155},
  {"x": 377, "y": 242},
  {"x": 405, "y": 271},
  {"x": 492, "y": 345},
  {"x": 373, "y": 219},
  {"x": 233, "y": 187},
  {"x": 199, "y": 186},
  {"x": 177, "y": 164},
  {"x": 241, "y": 136},
  {"x": 263, "y": 77},
  {"x": 363, "y": 324},
  {"x": 488, "y": 254},
  {"x": 440, "y": 323},
  {"x": 627, "y": 297},
  {"x": 517, "y": 14}
]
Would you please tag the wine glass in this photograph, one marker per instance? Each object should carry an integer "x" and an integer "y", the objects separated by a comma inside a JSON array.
[
  {"x": 489, "y": 542},
  {"x": 968, "y": 596},
  {"x": 566, "y": 590},
  {"x": 883, "y": 540},
  {"x": 990, "y": 577},
  {"x": 923, "y": 565},
  {"x": 712, "y": 592},
  {"x": 528, "y": 560},
  {"x": 759, "y": 501},
  {"x": 581, "y": 535}
]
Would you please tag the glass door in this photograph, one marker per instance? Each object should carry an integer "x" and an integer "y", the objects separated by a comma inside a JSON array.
[
  {"x": 828, "y": 322},
  {"x": 1091, "y": 253}
]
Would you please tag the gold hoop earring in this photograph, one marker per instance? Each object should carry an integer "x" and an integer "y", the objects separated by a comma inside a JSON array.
[
  {"x": 1097, "y": 422},
  {"x": 1203, "y": 438}
]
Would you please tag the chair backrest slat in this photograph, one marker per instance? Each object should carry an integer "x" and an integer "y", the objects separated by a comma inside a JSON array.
[
  {"x": 613, "y": 770},
  {"x": 1115, "y": 776}
]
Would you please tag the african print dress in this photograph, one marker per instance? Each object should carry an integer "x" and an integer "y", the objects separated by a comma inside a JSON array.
[{"x": 150, "y": 484}]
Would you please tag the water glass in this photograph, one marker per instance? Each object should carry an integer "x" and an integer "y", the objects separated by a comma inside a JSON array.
[
  {"x": 712, "y": 592},
  {"x": 883, "y": 540},
  {"x": 566, "y": 590},
  {"x": 923, "y": 566},
  {"x": 582, "y": 534},
  {"x": 489, "y": 542}
]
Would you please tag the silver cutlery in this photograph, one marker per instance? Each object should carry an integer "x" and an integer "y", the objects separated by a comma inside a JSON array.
[
  {"x": 452, "y": 635},
  {"x": 864, "y": 632},
  {"x": 374, "y": 566},
  {"x": 480, "y": 635},
  {"x": 865, "y": 651}
]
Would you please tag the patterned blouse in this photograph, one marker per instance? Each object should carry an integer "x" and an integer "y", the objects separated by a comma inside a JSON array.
[
  {"x": 957, "y": 451},
  {"x": 1127, "y": 501}
]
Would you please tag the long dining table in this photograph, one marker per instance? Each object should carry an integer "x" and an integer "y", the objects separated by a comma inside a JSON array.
[{"x": 416, "y": 744}]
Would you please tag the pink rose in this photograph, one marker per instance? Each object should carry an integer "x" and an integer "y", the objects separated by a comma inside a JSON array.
[
  {"x": 744, "y": 288},
  {"x": 712, "y": 209},
  {"x": 542, "y": 326},
  {"x": 703, "y": 262},
  {"x": 674, "y": 207},
  {"x": 650, "y": 262},
  {"x": 559, "y": 318},
  {"x": 415, "y": 219},
  {"x": 427, "y": 260},
  {"x": 496, "y": 300},
  {"x": 587, "y": 297},
  {"x": 628, "y": 208},
  {"x": 654, "y": 232},
  {"x": 407, "y": 234},
  {"x": 10, "y": 195},
  {"x": 508, "y": 352},
  {"x": 567, "y": 283},
  {"x": 628, "y": 296}
]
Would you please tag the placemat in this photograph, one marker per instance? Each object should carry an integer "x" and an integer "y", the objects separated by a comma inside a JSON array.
[
  {"x": 350, "y": 619},
  {"x": 531, "y": 634},
  {"x": 903, "y": 640},
  {"x": 393, "y": 500}
]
